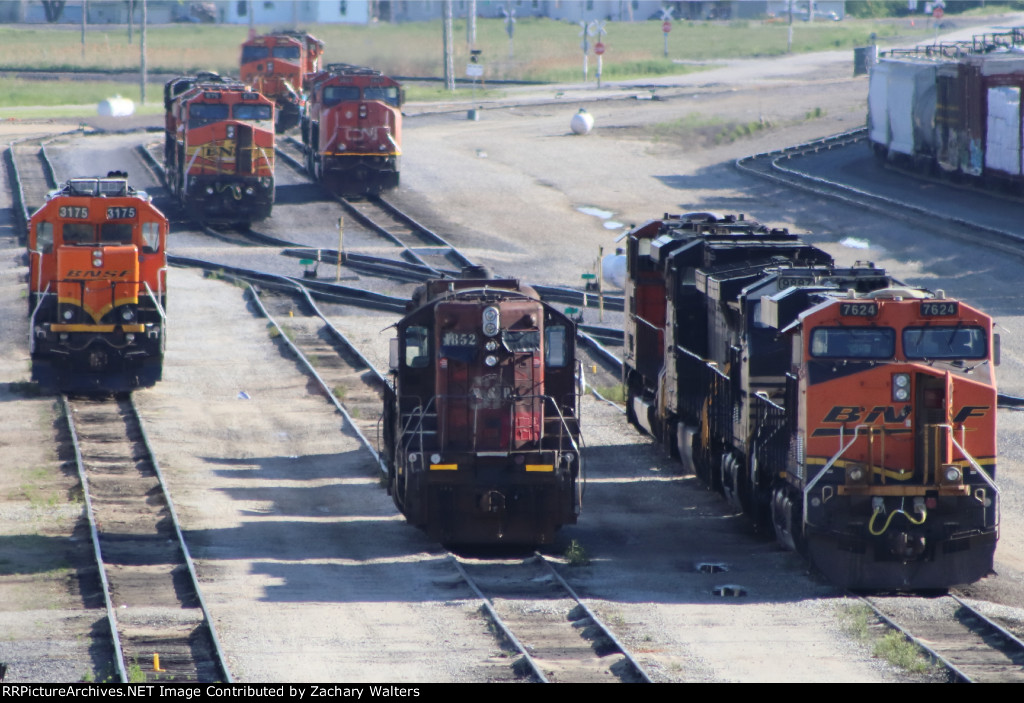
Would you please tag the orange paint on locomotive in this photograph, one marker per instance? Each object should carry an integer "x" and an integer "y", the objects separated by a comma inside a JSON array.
[
  {"x": 275, "y": 64},
  {"x": 902, "y": 442},
  {"x": 97, "y": 286}
]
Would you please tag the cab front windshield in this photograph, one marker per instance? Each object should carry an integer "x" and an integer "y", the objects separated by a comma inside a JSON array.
[
  {"x": 853, "y": 342},
  {"x": 945, "y": 342}
]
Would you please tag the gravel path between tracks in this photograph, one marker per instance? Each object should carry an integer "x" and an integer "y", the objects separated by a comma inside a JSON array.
[{"x": 310, "y": 573}]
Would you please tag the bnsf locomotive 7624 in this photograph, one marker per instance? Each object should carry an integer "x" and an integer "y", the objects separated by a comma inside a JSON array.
[
  {"x": 219, "y": 149},
  {"x": 275, "y": 64},
  {"x": 481, "y": 429},
  {"x": 97, "y": 287},
  {"x": 852, "y": 414},
  {"x": 352, "y": 129}
]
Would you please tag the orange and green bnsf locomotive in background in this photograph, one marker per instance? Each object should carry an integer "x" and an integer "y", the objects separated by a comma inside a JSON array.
[
  {"x": 219, "y": 149},
  {"x": 481, "y": 428},
  {"x": 276, "y": 64},
  {"x": 352, "y": 129},
  {"x": 97, "y": 287},
  {"x": 890, "y": 478}
]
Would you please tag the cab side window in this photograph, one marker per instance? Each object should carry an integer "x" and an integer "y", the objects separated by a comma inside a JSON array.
[
  {"x": 554, "y": 346},
  {"x": 417, "y": 347},
  {"x": 44, "y": 236},
  {"x": 151, "y": 237}
]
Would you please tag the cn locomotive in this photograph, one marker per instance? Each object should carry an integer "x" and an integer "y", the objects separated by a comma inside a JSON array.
[
  {"x": 352, "y": 129},
  {"x": 97, "y": 287},
  {"x": 219, "y": 148},
  {"x": 481, "y": 430},
  {"x": 275, "y": 64},
  {"x": 850, "y": 414},
  {"x": 952, "y": 109}
]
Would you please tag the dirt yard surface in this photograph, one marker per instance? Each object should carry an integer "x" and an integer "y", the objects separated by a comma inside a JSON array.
[{"x": 311, "y": 574}]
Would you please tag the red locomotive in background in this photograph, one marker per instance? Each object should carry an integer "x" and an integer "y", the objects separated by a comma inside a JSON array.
[
  {"x": 481, "y": 429},
  {"x": 97, "y": 287},
  {"x": 276, "y": 64},
  {"x": 352, "y": 129},
  {"x": 219, "y": 148}
]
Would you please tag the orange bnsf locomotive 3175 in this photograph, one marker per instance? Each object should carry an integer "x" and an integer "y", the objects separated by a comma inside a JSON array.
[
  {"x": 481, "y": 429},
  {"x": 275, "y": 65},
  {"x": 219, "y": 148},
  {"x": 853, "y": 416},
  {"x": 352, "y": 129},
  {"x": 97, "y": 287}
]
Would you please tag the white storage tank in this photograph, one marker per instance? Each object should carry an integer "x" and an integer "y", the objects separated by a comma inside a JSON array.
[{"x": 116, "y": 107}]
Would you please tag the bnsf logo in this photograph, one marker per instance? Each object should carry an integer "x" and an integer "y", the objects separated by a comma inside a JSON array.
[
  {"x": 890, "y": 415},
  {"x": 91, "y": 273}
]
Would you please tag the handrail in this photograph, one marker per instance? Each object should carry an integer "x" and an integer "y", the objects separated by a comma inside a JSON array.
[{"x": 32, "y": 320}]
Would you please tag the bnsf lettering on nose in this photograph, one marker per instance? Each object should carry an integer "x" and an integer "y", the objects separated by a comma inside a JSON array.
[{"x": 93, "y": 273}]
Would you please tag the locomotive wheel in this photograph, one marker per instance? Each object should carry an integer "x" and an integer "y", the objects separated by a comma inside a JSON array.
[
  {"x": 684, "y": 447},
  {"x": 731, "y": 479}
]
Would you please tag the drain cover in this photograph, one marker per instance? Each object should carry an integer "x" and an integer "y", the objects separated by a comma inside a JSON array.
[{"x": 731, "y": 591}]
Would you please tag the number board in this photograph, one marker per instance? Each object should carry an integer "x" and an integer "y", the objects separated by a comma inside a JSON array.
[
  {"x": 74, "y": 212},
  {"x": 120, "y": 213},
  {"x": 458, "y": 339},
  {"x": 793, "y": 282},
  {"x": 940, "y": 308},
  {"x": 858, "y": 309}
]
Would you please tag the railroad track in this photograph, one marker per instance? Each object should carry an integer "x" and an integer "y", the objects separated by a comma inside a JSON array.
[
  {"x": 339, "y": 370},
  {"x": 558, "y": 638},
  {"x": 159, "y": 625},
  {"x": 970, "y": 646},
  {"x": 775, "y": 166}
]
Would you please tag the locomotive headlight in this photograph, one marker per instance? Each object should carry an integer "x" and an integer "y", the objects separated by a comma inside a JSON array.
[
  {"x": 951, "y": 474},
  {"x": 68, "y": 314},
  {"x": 856, "y": 473},
  {"x": 380, "y": 147},
  {"x": 490, "y": 321},
  {"x": 901, "y": 387},
  {"x": 491, "y": 360},
  {"x": 129, "y": 337},
  {"x": 435, "y": 458},
  {"x": 127, "y": 314},
  {"x": 491, "y": 345},
  {"x": 209, "y": 190},
  {"x": 97, "y": 262},
  {"x": 250, "y": 190},
  {"x": 231, "y": 131}
]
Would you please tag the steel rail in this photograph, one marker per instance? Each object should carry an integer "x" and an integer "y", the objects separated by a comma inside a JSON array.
[
  {"x": 94, "y": 537},
  {"x": 311, "y": 370},
  {"x": 1009, "y": 645},
  {"x": 499, "y": 623},
  {"x": 219, "y": 660},
  {"x": 186, "y": 554},
  {"x": 596, "y": 620}
]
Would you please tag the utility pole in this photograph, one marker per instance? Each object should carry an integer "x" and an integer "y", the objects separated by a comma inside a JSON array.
[
  {"x": 449, "y": 60},
  {"x": 142, "y": 59},
  {"x": 85, "y": 14},
  {"x": 471, "y": 24}
]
